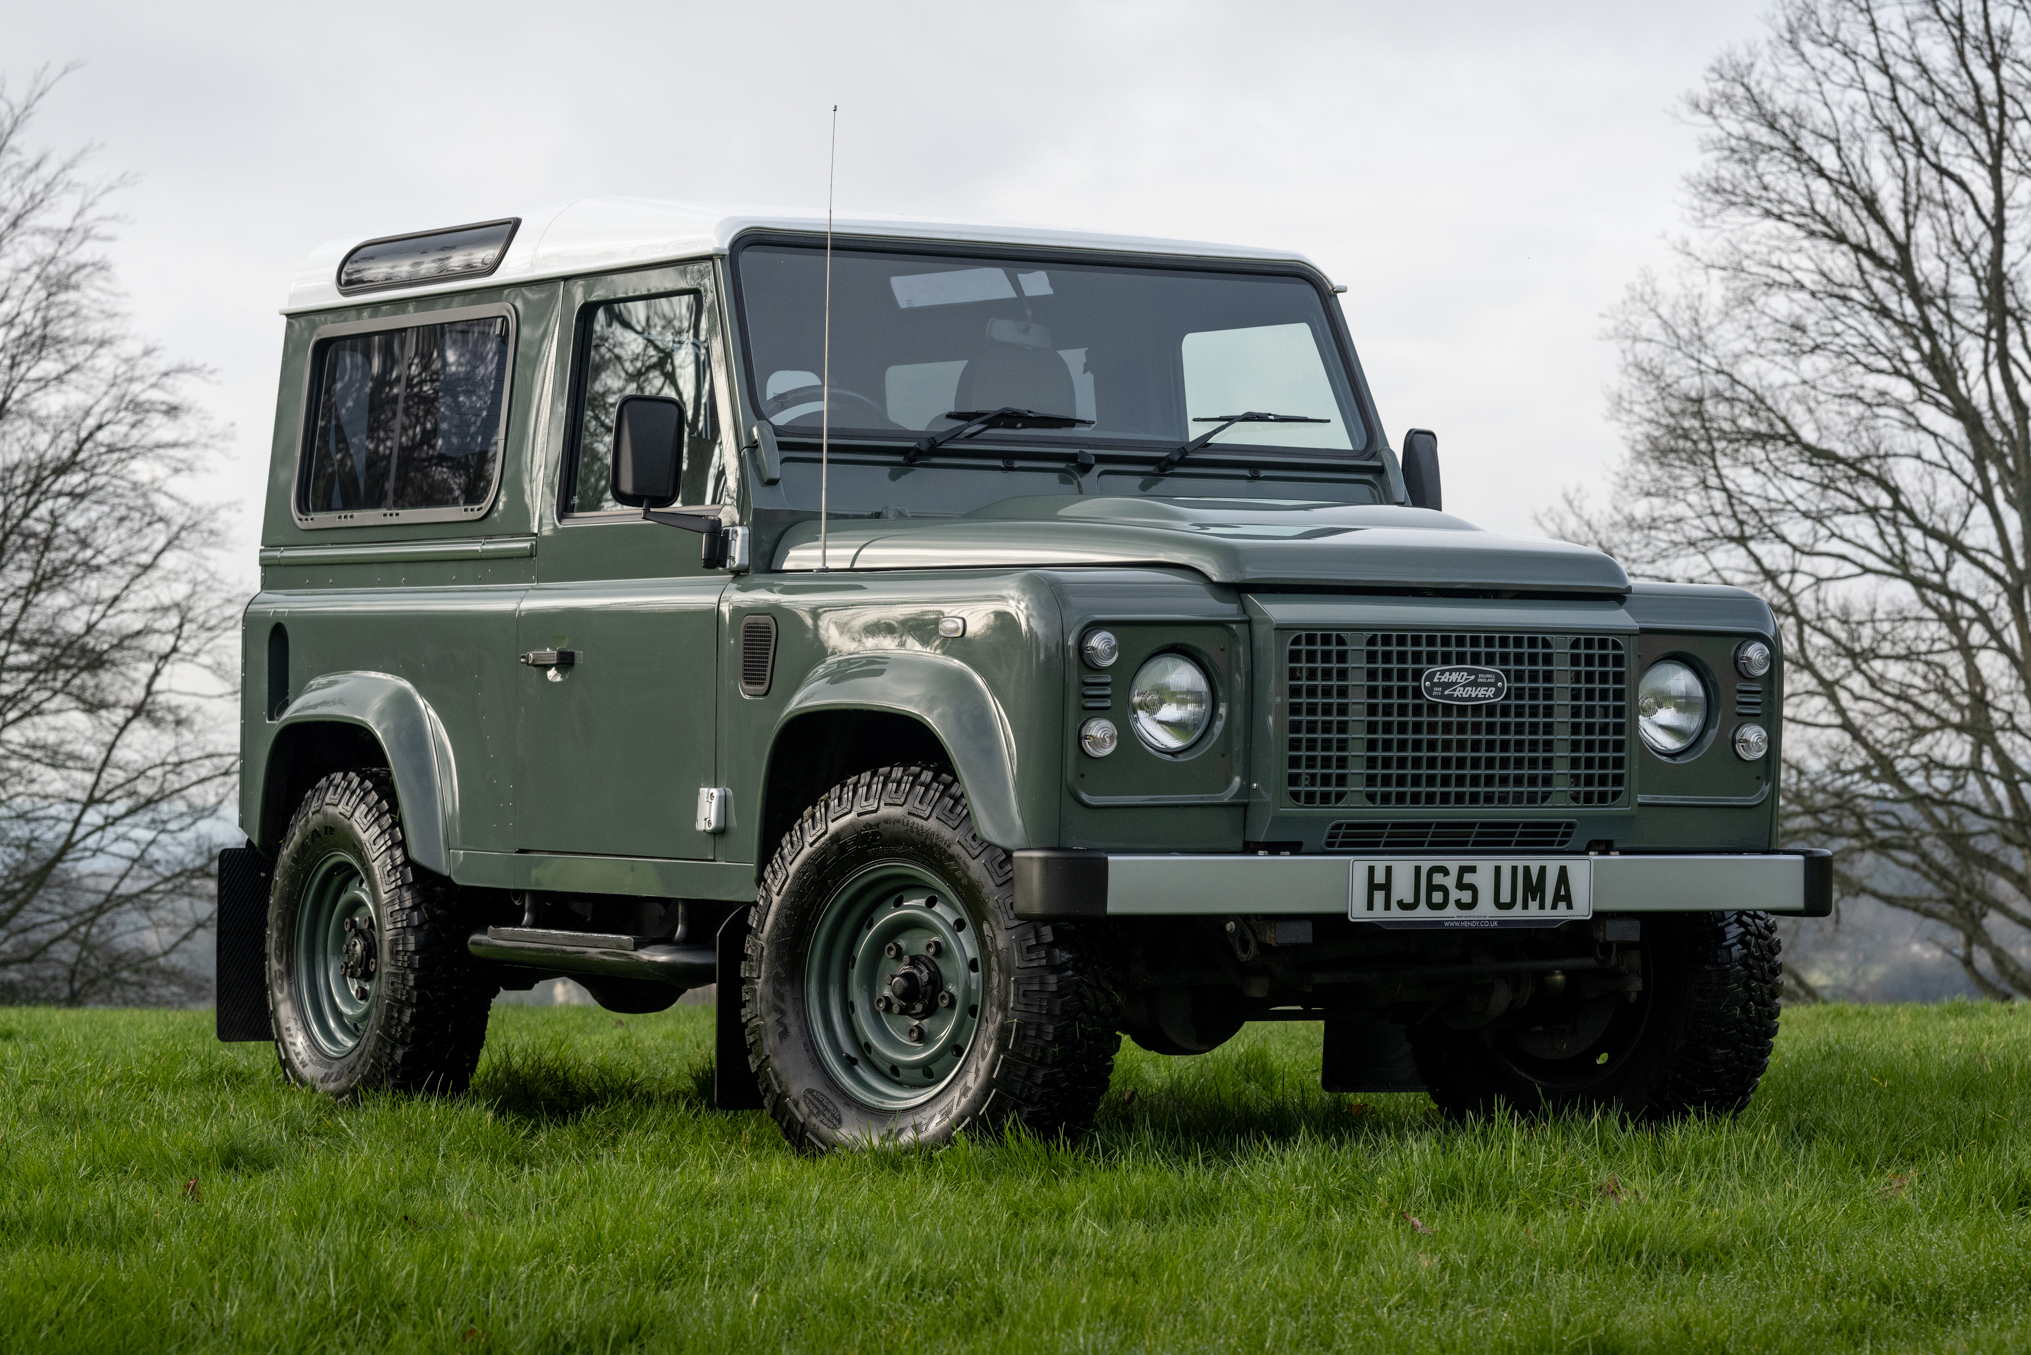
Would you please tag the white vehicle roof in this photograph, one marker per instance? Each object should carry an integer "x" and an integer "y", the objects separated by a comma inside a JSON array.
[{"x": 598, "y": 234}]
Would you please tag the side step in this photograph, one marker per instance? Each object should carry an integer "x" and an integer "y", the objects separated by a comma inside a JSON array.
[{"x": 622, "y": 957}]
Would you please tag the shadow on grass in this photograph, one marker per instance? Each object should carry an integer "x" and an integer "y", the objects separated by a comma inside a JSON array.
[{"x": 548, "y": 1084}]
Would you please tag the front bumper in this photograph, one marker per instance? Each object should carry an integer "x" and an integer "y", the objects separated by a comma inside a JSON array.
[{"x": 1095, "y": 884}]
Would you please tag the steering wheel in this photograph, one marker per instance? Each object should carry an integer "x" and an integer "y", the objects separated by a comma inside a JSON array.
[{"x": 805, "y": 403}]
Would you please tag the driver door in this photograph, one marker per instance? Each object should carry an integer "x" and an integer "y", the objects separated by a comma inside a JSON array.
[{"x": 615, "y": 746}]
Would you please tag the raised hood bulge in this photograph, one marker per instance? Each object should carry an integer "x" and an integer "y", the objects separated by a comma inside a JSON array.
[{"x": 1232, "y": 541}]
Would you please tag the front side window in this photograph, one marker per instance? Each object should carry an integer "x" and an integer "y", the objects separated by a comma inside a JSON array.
[
  {"x": 1143, "y": 357},
  {"x": 407, "y": 419},
  {"x": 659, "y": 345}
]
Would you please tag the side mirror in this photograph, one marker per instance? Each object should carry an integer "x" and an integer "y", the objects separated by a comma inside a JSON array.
[
  {"x": 1421, "y": 468},
  {"x": 648, "y": 449}
]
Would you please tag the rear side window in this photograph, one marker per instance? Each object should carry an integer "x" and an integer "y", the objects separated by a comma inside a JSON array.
[{"x": 407, "y": 420}]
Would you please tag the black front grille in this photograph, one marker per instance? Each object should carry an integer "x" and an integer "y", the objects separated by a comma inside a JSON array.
[
  {"x": 1454, "y": 835},
  {"x": 1362, "y": 732}
]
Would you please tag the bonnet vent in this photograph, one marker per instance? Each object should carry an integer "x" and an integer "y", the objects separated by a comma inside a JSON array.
[{"x": 757, "y": 654}]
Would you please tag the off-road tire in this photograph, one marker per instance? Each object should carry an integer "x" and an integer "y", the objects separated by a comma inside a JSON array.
[
  {"x": 1697, "y": 1041},
  {"x": 1044, "y": 1046},
  {"x": 427, "y": 1017}
]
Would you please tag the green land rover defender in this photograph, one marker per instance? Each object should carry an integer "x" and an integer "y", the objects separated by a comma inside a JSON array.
[{"x": 962, "y": 646}]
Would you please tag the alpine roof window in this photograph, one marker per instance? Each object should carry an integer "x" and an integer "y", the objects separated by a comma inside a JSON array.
[
  {"x": 407, "y": 421},
  {"x": 431, "y": 256}
]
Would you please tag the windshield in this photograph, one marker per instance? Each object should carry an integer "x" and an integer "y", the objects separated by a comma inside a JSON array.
[{"x": 1134, "y": 355}]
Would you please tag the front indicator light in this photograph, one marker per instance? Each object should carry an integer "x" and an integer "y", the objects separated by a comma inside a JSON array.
[
  {"x": 1099, "y": 737},
  {"x": 1671, "y": 706},
  {"x": 1170, "y": 703},
  {"x": 1100, "y": 649},
  {"x": 1752, "y": 658},
  {"x": 1751, "y": 742}
]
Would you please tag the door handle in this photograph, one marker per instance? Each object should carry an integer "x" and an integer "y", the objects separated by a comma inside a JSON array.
[{"x": 556, "y": 660}]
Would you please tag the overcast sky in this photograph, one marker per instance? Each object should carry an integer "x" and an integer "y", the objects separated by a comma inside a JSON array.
[{"x": 1486, "y": 178}]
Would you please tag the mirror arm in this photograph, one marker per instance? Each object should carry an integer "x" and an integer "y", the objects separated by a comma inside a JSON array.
[{"x": 713, "y": 550}]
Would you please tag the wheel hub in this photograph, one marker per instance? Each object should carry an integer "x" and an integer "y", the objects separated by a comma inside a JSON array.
[
  {"x": 915, "y": 988},
  {"x": 361, "y": 955}
]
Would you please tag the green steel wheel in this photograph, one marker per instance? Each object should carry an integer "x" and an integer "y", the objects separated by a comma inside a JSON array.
[
  {"x": 892, "y": 985},
  {"x": 337, "y": 953},
  {"x": 889, "y": 994},
  {"x": 370, "y": 984},
  {"x": 1695, "y": 1039}
]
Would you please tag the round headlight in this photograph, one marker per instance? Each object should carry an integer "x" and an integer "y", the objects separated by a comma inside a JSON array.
[
  {"x": 1671, "y": 706},
  {"x": 1752, "y": 658},
  {"x": 1098, "y": 737},
  {"x": 1100, "y": 648},
  {"x": 1170, "y": 702}
]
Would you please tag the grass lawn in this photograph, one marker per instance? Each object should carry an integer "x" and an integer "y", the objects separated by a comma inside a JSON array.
[{"x": 159, "y": 1191}]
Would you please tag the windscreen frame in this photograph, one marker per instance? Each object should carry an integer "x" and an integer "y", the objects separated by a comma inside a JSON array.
[
  {"x": 1367, "y": 458},
  {"x": 313, "y": 373}
]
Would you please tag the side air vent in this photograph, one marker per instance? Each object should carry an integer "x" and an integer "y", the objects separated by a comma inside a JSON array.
[
  {"x": 1454, "y": 835},
  {"x": 757, "y": 655}
]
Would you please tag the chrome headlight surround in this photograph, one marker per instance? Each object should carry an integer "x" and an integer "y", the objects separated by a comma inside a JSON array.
[
  {"x": 1170, "y": 702},
  {"x": 1673, "y": 707}
]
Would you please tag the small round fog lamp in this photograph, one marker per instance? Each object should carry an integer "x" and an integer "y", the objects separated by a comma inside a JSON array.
[
  {"x": 1751, "y": 742},
  {"x": 1098, "y": 737}
]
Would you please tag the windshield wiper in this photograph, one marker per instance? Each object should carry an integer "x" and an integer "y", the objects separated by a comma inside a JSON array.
[
  {"x": 1225, "y": 422},
  {"x": 980, "y": 420}
]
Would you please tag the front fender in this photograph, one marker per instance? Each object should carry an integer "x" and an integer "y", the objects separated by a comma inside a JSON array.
[
  {"x": 409, "y": 732},
  {"x": 957, "y": 705}
]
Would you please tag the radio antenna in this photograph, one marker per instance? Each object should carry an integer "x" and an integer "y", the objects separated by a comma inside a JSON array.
[{"x": 825, "y": 364}]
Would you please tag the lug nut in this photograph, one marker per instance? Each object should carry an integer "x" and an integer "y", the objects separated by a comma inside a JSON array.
[
  {"x": 893, "y": 951},
  {"x": 915, "y": 1034},
  {"x": 881, "y": 1002},
  {"x": 945, "y": 998},
  {"x": 932, "y": 947}
]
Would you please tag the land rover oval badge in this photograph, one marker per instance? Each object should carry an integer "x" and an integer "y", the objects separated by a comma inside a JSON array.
[{"x": 1465, "y": 686}]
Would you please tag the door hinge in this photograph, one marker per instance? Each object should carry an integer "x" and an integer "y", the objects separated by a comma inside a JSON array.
[{"x": 712, "y": 803}]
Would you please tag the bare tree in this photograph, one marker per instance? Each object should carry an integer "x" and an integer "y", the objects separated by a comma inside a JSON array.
[
  {"x": 1831, "y": 405},
  {"x": 113, "y": 763}
]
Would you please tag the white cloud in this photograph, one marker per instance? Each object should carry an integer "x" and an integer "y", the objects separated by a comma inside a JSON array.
[{"x": 1485, "y": 177}]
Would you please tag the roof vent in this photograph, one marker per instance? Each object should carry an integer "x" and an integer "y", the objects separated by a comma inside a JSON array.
[
  {"x": 430, "y": 256},
  {"x": 757, "y": 655}
]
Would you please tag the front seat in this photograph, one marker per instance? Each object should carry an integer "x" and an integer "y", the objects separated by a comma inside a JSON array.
[{"x": 1016, "y": 376}]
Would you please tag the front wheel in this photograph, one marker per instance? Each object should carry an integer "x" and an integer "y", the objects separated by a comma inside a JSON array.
[
  {"x": 890, "y": 994},
  {"x": 370, "y": 985},
  {"x": 1696, "y": 1039}
]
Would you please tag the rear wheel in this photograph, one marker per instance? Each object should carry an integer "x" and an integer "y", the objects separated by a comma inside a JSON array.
[
  {"x": 1696, "y": 1039},
  {"x": 890, "y": 994},
  {"x": 370, "y": 984}
]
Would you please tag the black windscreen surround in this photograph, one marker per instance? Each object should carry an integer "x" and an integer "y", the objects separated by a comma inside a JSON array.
[
  {"x": 407, "y": 418},
  {"x": 1139, "y": 354}
]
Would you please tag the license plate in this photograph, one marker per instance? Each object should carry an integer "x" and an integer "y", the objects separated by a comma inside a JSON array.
[{"x": 1477, "y": 892}]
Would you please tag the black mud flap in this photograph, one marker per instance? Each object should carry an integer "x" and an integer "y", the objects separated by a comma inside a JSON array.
[
  {"x": 733, "y": 1082},
  {"x": 1367, "y": 1052},
  {"x": 241, "y": 980}
]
